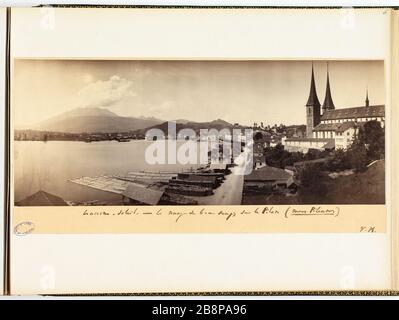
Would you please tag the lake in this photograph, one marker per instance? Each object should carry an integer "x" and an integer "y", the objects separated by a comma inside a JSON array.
[{"x": 48, "y": 165}]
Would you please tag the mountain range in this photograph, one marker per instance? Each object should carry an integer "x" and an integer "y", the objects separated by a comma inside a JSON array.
[
  {"x": 92, "y": 120},
  {"x": 102, "y": 120},
  {"x": 218, "y": 124}
]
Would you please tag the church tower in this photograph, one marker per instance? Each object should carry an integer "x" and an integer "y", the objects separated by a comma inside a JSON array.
[
  {"x": 312, "y": 108},
  {"x": 367, "y": 98},
  {"x": 328, "y": 103}
]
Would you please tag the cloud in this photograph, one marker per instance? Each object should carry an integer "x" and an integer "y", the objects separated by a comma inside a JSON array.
[
  {"x": 162, "y": 110},
  {"x": 105, "y": 93}
]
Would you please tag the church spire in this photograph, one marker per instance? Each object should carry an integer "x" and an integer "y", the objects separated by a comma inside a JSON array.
[
  {"x": 313, "y": 100},
  {"x": 367, "y": 97},
  {"x": 328, "y": 103},
  {"x": 312, "y": 108}
]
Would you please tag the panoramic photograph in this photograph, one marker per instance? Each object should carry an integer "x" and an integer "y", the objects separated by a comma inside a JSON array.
[{"x": 128, "y": 132}]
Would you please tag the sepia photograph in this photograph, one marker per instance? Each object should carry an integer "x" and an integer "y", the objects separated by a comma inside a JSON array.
[
  {"x": 201, "y": 151},
  {"x": 169, "y": 132}
]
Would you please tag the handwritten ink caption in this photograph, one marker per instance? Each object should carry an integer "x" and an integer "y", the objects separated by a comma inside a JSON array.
[{"x": 227, "y": 214}]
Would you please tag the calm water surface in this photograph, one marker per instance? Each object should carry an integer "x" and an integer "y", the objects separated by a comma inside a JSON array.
[{"x": 48, "y": 165}]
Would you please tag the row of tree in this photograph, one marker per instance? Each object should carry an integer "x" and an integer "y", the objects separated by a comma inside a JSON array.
[
  {"x": 368, "y": 145},
  {"x": 280, "y": 158}
]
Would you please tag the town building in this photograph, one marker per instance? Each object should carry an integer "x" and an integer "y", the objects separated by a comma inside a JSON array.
[
  {"x": 267, "y": 179},
  {"x": 334, "y": 128},
  {"x": 261, "y": 141}
]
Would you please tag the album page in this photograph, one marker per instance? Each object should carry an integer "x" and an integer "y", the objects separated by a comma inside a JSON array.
[{"x": 201, "y": 150}]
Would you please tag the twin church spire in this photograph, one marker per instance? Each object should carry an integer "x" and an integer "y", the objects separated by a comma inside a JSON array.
[
  {"x": 313, "y": 100},
  {"x": 328, "y": 104},
  {"x": 313, "y": 112}
]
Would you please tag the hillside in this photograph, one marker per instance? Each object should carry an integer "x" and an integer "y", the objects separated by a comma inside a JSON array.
[{"x": 360, "y": 188}]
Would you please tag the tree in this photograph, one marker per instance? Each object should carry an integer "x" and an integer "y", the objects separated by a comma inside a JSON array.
[
  {"x": 357, "y": 155},
  {"x": 372, "y": 135},
  {"x": 258, "y": 135},
  {"x": 313, "y": 184},
  {"x": 280, "y": 158},
  {"x": 339, "y": 161},
  {"x": 367, "y": 145}
]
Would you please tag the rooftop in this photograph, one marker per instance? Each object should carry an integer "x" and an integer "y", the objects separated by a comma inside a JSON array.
[
  {"x": 329, "y": 144},
  {"x": 142, "y": 194},
  {"x": 327, "y": 127},
  {"x": 42, "y": 198},
  {"x": 346, "y": 125},
  {"x": 337, "y": 127},
  {"x": 356, "y": 112},
  {"x": 267, "y": 173},
  {"x": 310, "y": 139}
]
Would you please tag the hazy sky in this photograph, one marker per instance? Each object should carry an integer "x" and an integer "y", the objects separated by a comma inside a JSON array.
[{"x": 235, "y": 91}]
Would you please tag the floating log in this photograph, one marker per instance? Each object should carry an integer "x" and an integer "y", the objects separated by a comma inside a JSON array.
[
  {"x": 138, "y": 179},
  {"x": 143, "y": 172},
  {"x": 203, "y": 174},
  {"x": 197, "y": 178},
  {"x": 208, "y": 184},
  {"x": 189, "y": 190},
  {"x": 218, "y": 167},
  {"x": 175, "y": 199}
]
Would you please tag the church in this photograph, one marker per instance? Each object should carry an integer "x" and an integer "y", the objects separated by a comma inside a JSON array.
[{"x": 334, "y": 128}]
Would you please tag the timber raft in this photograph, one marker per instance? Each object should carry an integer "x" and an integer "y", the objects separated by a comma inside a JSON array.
[{"x": 162, "y": 187}]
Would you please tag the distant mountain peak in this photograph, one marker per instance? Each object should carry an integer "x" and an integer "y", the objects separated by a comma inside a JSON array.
[
  {"x": 221, "y": 122},
  {"x": 149, "y": 118},
  {"x": 182, "y": 121},
  {"x": 98, "y": 119}
]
